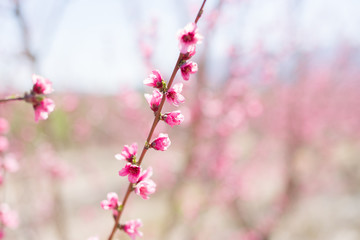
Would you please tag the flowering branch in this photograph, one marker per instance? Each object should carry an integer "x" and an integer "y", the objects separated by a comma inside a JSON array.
[
  {"x": 141, "y": 183},
  {"x": 37, "y": 97}
]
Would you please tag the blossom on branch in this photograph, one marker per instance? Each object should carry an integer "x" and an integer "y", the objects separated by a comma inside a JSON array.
[
  {"x": 154, "y": 80},
  {"x": 145, "y": 186},
  {"x": 187, "y": 69},
  {"x": 154, "y": 100},
  {"x": 43, "y": 108},
  {"x": 128, "y": 153},
  {"x": 161, "y": 143},
  {"x": 131, "y": 228},
  {"x": 173, "y": 95},
  {"x": 173, "y": 118},
  {"x": 132, "y": 171},
  {"x": 188, "y": 37},
  {"x": 112, "y": 201},
  {"x": 41, "y": 85}
]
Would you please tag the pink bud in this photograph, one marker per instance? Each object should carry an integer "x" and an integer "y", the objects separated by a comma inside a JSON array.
[
  {"x": 173, "y": 118},
  {"x": 154, "y": 100},
  {"x": 187, "y": 69},
  {"x": 161, "y": 143},
  {"x": 174, "y": 96}
]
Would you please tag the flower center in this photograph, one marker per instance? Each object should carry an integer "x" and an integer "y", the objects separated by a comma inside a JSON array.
[{"x": 188, "y": 37}]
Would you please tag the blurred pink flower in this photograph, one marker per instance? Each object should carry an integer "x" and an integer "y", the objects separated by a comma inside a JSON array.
[
  {"x": 145, "y": 186},
  {"x": 154, "y": 100},
  {"x": 8, "y": 217},
  {"x": 131, "y": 228},
  {"x": 10, "y": 163},
  {"x": 174, "y": 96},
  {"x": 188, "y": 37},
  {"x": 4, "y": 144},
  {"x": 4, "y": 126},
  {"x": 132, "y": 171},
  {"x": 41, "y": 85},
  {"x": 112, "y": 201},
  {"x": 43, "y": 108},
  {"x": 161, "y": 143},
  {"x": 173, "y": 118},
  {"x": 154, "y": 80},
  {"x": 128, "y": 153},
  {"x": 187, "y": 69}
]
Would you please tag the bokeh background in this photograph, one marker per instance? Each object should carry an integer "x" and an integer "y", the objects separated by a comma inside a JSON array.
[{"x": 269, "y": 148}]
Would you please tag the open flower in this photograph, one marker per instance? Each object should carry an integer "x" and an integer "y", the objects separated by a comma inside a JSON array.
[
  {"x": 128, "y": 153},
  {"x": 161, "y": 143},
  {"x": 132, "y": 171},
  {"x": 112, "y": 201},
  {"x": 154, "y": 80},
  {"x": 131, "y": 228},
  {"x": 173, "y": 118},
  {"x": 188, "y": 37},
  {"x": 41, "y": 85},
  {"x": 187, "y": 69},
  {"x": 174, "y": 96},
  {"x": 145, "y": 186},
  {"x": 154, "y": 100},
  {"x": 43, "y": 108}
]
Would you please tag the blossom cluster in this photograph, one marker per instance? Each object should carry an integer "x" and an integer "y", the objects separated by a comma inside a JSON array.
[
  {"x": 138, "y": 178},
  {"x": 41, "y": 104}
]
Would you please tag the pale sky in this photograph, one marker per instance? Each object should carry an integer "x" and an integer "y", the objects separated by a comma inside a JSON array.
[{"x": 92, "y": 45}]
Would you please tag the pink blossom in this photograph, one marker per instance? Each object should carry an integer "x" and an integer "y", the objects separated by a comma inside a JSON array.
[
  {"x": 161, "y": 143},
  {"x": 173, "y": 118},
  {"x": 154, "y": 80},
  {"x": 112, "y": 201},
  {"x": 43, "y": 108},
  {"x": 187, "y": 69},
  {"x": 145, "y": 186},
  {"x": 132, "y": 170},
  {"x": 154, "y": 100},
  {"x": 188, "y": 37},
  {"x": 174, "y": 96},
  {"x": 190, "y": 53},
  {"x": 41, "y": 85},
  {"x": 4, "y": 126},
  {"x": 128, "y": 153},
  {"x": 131, "y": 228},
  {"x": 8, "y": 217},
  {"x": 10, "y": 163}
]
